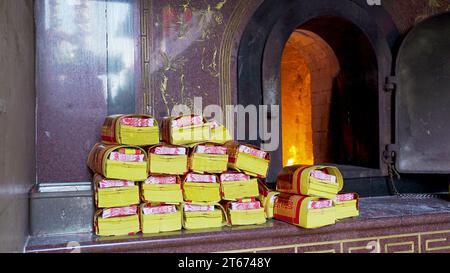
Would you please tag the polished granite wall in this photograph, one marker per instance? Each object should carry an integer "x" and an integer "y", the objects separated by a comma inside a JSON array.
[
  {"x": 17, "y": 120},
  {"x": 104, "y": 57}
]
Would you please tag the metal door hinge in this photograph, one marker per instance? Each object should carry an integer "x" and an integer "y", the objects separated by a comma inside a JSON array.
[
  {"x": 390, "y": 84},
  {"x": 390, "y": 153}
]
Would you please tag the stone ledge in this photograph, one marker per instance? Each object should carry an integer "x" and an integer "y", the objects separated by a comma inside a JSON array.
[{"x": 388, "y": 223}]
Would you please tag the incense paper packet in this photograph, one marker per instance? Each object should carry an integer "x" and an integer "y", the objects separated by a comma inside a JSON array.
[
  {"x": 245, "y": 213},
  {"x": 298, "y": 180},
  {"x": 347, "y": 205},
  {"x": 267, "y": 197},
  {"x": 114, "y": 193},
  {"x": 237, "y": 186},
  {"x": 168, "y": 159},
  {"x": 161, "y": 188},
  {"x": 126, "y": 224},
  {"x": 201, "y": 188},
  {"x": 99, "y": 162},
  {"x": 208, "y": 158},
  {"x": 294, "y": 209},
  {"x": 126, "y": 130},
  {"x": 186, "y": 130},
  {"x": 202, "y": 218},
  {"x": 247, "y": 158},
  {"x": 157, "y": 217}
]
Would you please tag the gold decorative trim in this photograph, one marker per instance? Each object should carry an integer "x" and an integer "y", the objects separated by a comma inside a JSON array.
[
  {"x": 146, "y": 37},
  {"x": 428, "y": 248},
  {"x": 226, "y": 50},
  {"x": 410, "y": 243},
  {"x": 377, "y": 239}
]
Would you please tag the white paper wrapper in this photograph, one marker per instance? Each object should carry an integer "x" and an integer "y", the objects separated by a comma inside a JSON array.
[
  {"x": 159, "y": 210},
  {"x": 192, "y": 208},
  {"x": 324, "y": 177}
]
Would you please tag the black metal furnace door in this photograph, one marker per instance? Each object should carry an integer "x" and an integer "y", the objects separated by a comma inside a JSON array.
[{"x": 422, "y": 104}]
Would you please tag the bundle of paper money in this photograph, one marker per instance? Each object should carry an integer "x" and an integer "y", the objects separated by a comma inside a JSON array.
[
  {"x": 309, "y": 196},
  {"x": 139, "y": 130},
  {"x": 160, "y": 217},
  {"x": 178, "y": 181}
]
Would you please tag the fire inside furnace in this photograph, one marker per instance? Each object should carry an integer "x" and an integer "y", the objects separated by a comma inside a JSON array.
[{"x": 308, "y": 67}]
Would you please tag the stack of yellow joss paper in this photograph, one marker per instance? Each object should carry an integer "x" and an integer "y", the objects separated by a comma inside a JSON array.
[
  {"x": 217, "y": 191},
  {"x": 120, "y": 164},
  {"x": 309, "y": 197},
  {"x": 195, "y": 177}
]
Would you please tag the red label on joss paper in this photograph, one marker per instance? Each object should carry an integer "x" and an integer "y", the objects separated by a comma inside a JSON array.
[
  {"x": 148, "y": 210},
  {"x": 187, "y": 121},
  {"x": 226, "y": 177},
  {"x": 161, "y": 180},
  {"x": 115, "y": 183},
  {"x": 194, "y": 208},
  {"x": 245, "y": 205},
  {"x": 201, "y": 149},
  {"x": 201, "y": 178},
  {"x": 170, "y": 151},
  {"x": 116, "y": 156},
  {"x": 320, "y": 204},
  {"x": 345, "y": 197},
  {"x": 252, "y": 151},
  {"x": 138, "y": 122},
  {"x": 116, "y": 212},
  {"x": 323, "y": 176}
]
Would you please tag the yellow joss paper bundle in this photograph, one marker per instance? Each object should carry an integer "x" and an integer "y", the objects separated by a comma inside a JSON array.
[
  {"x": 347, "y": 205},
  {"x": 139, "y": 130},
  {"x": 168, "y": 159},
  {"x": 203, "y": 216},
  {"x": 201, "y": 188},
  {"x": 118, "y": 162},
  {"x": 304, "y": 211},
  {"x": 115, "y": 193},
  {"x": 117, "y": 221},
  {"x": 186, "y": 130},
  {"x": 248, "y": 158},
  {"x": 267, "y": 198},
  {"x": 162, "y": 188},
  {"x": 318, "y": 181},
  {"x": 209, "y": 158},
  {"x": 245, "y": 212},
  {"x": 157, "y": 217},
  {"x": 238, "y": 185},
  {"x": 219, "y": 133}
]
